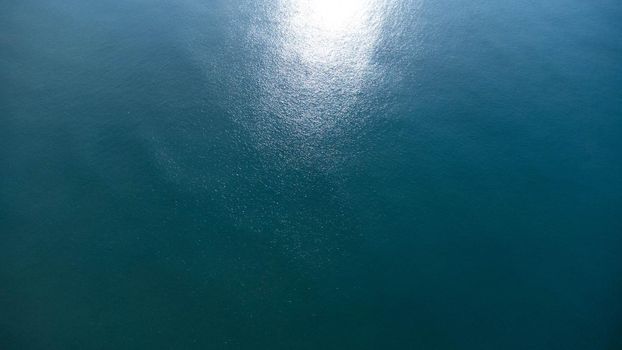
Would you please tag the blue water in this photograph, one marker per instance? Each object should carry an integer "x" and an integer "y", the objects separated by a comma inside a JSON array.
[{"x": 310, "y": 174}]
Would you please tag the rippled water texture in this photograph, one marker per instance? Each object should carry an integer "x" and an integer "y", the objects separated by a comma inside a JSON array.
[{"x": 310, "y": 174}]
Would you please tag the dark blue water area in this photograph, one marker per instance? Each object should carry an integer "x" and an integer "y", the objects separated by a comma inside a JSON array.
[{"x": 310, "y": 174}]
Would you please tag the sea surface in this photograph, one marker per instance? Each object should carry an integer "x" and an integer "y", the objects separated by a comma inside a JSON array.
[{"x": 311, "y": 174}]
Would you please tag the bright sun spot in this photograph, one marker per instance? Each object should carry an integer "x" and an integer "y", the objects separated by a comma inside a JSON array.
[
  {"x": 333, "y": 16},
  {"x": 324, "y": 57},
  {"x": 324, "y": 31}
]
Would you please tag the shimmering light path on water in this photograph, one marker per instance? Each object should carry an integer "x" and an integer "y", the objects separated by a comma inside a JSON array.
[{"x": 310, "y": 174}]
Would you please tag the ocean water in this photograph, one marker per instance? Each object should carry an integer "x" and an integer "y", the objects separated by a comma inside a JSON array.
[{"x": 310, "y": 174}]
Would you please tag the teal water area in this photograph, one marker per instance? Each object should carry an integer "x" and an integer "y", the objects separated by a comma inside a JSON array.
[{"x": 310, "y": 174}]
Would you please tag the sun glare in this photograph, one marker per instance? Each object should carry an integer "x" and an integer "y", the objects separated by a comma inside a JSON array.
[
  {"x": 324, "y": 57},
  {"x": 322, "y": 31},
  {"x": 333, "y": 17}
]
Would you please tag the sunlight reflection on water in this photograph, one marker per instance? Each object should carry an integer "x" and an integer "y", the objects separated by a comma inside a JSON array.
[{"x": 323, "y": 57}]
